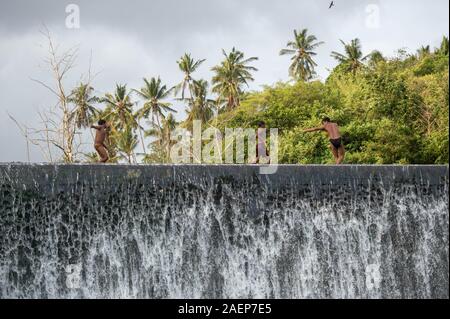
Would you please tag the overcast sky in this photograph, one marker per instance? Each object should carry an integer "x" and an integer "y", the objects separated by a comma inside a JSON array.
[{"x": 133, "y": 39}]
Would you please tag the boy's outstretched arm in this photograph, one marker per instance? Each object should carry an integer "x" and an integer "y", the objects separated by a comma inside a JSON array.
[
  {"x": 315, "y": 129},
  {"x": 96, "y": 127}
]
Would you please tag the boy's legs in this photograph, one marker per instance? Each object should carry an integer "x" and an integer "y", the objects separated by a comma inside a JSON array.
[
  {"x": 101, "y": 150},
  {"x": 334, "y": 151},
  {"x": 341, "y": 154}
]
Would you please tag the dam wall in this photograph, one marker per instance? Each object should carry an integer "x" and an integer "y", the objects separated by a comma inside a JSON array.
[{"x": 223, "y": 231}]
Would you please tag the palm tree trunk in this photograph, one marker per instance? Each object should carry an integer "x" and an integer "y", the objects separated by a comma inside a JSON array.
[
  {"x": 142, "y": 138},
  {"x": 160, "y": 129}
]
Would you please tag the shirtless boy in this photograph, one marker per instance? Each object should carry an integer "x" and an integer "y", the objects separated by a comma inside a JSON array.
[
  {"x": 100, "y": 137},
  {"x": 336, "y": 146},
  {"x": 262, "y": 155}
]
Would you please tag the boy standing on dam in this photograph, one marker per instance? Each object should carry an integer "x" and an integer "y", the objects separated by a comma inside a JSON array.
[
  {"x": 100, "y": 137},
  {"x": 336, "y": 146},
  {"x": 262, "y": 155}
]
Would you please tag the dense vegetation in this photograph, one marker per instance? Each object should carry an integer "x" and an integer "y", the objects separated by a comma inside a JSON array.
[{"x": 391, "y": 110}]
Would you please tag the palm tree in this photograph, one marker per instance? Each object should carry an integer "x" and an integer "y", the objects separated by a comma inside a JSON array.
[
  {"x": 230, "y": 75},
  {"x": 126, "y": 144},
  {"x": 423, "y": 51},
  {"x": 91, "y": 157},
  {"x": 188, "y": 66},
  {"x": 84, "y": 111},
  {"x": 199, "y": 106},
  {"x": 353, "y": 57},
  {"x": 119, "y": 109},
  {"x": 375, "y": 58},
  {"x": 302, "y": 49},
  {"x": 162, "y": 139},
  {"x": 119, "y": 112},
  {"x": 153, "y": 93},
  {"x": 443, "y": 49}
]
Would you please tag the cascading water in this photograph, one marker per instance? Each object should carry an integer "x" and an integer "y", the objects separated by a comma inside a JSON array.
[{"x": 90, "y": 231}]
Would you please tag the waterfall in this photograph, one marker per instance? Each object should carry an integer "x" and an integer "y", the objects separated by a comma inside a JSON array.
[{"x": 94, "y": 231}]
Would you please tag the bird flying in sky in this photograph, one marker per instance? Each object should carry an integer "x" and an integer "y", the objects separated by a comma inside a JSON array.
[{"x": 331, "y": 5}]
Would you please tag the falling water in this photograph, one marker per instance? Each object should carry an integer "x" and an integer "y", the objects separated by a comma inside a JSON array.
[{"x": 223, "y": 232}]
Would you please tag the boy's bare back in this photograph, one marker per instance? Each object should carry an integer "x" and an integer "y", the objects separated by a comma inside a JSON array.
[
  {"x": 100, "y": 133},
  {"x": 336, "y": 146},
  {"x": 333, "y": 130}
]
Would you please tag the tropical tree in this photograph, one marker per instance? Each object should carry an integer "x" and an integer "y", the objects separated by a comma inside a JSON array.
[
  {"x": 162, "y": 140},
  {"x": 84, "y": 111},
  {"x": 118, "y": 112},
  {"x": 188, "y": 66},
  {"x": 230, "y": 76},
  {"x": 119, "y": 108},
  {"x": 443, "y": 49},
  {"x": 302, "y": 51},
  {"x": 353, "y": 57},
  {"x": 423, "y": 51},
  {"x": 127, "y": 142},
  {"x": 199, "y": 106},
  {"x": 375, "y": 58},
  {"x": 153, "y": 93}
]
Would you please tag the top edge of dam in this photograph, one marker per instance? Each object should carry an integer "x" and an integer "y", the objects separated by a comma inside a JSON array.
[{"x": 43, "y": 174}]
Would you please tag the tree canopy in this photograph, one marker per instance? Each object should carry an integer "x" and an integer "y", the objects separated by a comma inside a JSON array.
[{"x": 390, "y": 110}]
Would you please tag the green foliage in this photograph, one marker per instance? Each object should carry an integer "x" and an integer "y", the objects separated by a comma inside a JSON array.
[
  {"x": 187, "y": 65},
  {"x": 199, "y": 106},
  {"x": 119, "y": 107},
  {"x": 302, "y": 50},
  {"x": 353, "y": 57},
  {"x": 230, "y": 77},
  {"x": 390, "y": 111},
  {"x": 162, "y": 141},
  {"x": 153, "y": 93},
  {"x": 431, "y": 64},
  {"x": 84, "y": 111},
  {"x": 127, "y": 142}
]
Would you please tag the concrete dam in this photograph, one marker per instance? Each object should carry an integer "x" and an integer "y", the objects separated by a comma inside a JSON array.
[{"x": 225, "y": 231}]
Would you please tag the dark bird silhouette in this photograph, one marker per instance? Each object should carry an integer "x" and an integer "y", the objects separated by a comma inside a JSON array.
[{"x": 331, "y": 5}]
